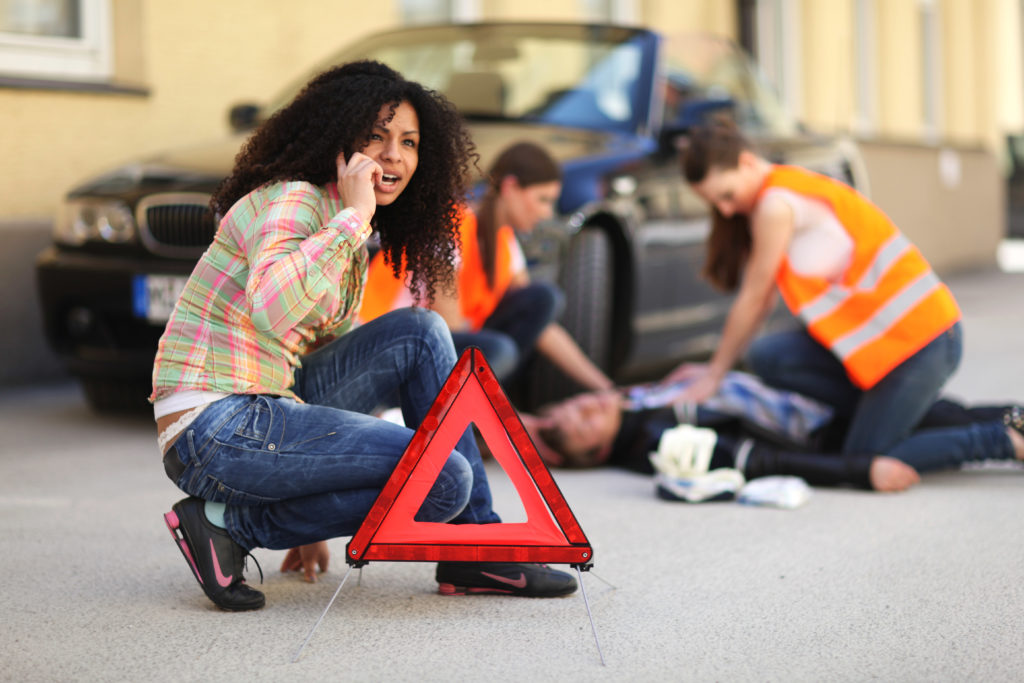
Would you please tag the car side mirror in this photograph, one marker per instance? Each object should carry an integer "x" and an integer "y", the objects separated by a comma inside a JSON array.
[{"x": 243, "y": 117}]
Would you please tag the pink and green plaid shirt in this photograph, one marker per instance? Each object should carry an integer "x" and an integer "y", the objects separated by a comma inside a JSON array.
[{"x": 286, "y": 268}]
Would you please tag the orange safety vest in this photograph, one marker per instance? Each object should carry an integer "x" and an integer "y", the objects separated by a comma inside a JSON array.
[
  {"x": 888, "y": 305},
  {"x": 477, "y": 301}
]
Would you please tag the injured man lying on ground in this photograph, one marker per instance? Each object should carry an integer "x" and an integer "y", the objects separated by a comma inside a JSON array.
[{"x": 761, "y": 431}]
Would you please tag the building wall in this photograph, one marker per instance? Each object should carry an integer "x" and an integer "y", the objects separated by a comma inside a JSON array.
[
  {"x": 530, "y": 10},
  {"x": 180, "y": 66},
  {"x": 977, "y": 56},
  {"x": 193, "y": 59},
  {"x": 939, "y": 174},
  {"x": 951, "y": 207},
  {"x": 828, "y": 78},
  {"x": 690, "y": 15}
]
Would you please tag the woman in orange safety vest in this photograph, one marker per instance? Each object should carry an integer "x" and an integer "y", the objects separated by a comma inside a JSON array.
[
  {"x": 881, "y": 333},
  {"x": 496, "y": 307}
]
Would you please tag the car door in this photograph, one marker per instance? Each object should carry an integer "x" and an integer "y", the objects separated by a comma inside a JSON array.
[{"x": 678, "y": 315}]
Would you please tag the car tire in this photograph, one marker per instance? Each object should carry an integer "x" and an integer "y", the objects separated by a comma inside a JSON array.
[
  {"x": 588, "y": 283},
  {"x": 119, "y": 395}
]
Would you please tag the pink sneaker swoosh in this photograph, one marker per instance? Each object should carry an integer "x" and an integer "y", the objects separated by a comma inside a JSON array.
[
  {"x": 225, "y": 581},
  {"x": 515, "y": 583}
]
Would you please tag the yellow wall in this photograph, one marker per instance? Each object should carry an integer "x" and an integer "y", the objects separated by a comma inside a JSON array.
[
  {"x": 827, "y": 66},
  {"x": 1006, "y": 34},
  {"x": 526, "y": 10},
  {"x": 981, "y": 68},
  {"x": 681, "y": 16},
  {"x": 961, "y": 24},
  {"x": 949, "y": 202},
  {"x": 899, "y": 67},
  {"x": 195, "y": 69},
  {"x": 244, "y": 51}
]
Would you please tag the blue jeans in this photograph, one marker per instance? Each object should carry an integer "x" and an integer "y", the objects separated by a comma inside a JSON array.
[
  {"x": 879, "y": 418},
  {"x": 294, "y": 473},
  {"x": 510, "y": 333},
  {"x": 944, "y": 448}
]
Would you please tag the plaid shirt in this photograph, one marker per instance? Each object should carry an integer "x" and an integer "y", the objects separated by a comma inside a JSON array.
[{"x": 286, "y": 267}]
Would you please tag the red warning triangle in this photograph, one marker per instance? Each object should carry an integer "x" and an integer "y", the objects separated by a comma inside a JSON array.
[{"x": 471, "y": 394}]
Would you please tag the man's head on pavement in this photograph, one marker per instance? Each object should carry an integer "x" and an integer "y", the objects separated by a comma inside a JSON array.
[{"x": 580, "y": 429}]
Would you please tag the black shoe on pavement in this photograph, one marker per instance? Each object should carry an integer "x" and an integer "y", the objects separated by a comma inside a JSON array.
[
  {"x": 216, "y": 560},
  {"x": 525, "y": 580}
]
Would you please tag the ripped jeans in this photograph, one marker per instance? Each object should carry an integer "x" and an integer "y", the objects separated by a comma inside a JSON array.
[{"x": 294, "y": 473}]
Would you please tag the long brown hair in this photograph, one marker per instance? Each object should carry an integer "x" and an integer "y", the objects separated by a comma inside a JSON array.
[
  {"x": 529, "y": 164},
  {"x": 718, "y": 144}
]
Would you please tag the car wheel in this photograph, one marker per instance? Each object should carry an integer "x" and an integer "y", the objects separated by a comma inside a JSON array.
[
  {"x": 117, "y": 395},
  {"x": 588, "y": 281}
]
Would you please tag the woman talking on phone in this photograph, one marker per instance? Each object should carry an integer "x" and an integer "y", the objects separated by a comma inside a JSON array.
[{"x": 261, "y": 386}]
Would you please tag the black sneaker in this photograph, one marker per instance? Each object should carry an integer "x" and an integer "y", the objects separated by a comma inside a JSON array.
[
  {"x": 215, "y": 559},
  {"x": 526, "y": 580}
]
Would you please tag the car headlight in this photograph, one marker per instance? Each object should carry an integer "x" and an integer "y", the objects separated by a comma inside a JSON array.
[{"x": 100, "y": 220}]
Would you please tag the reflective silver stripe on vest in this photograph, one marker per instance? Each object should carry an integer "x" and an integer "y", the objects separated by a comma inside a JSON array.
[
  {"x": 887, "y": 316},
  {"x": 834, "y": 296}
]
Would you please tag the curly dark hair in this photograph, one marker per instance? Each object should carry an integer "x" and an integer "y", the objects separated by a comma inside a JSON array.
[{"x": 336, "y": 112}]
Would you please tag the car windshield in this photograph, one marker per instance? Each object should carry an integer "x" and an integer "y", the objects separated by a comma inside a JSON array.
[
  {"x": 566, "y": 75},
  {"x": 705, "y": 69}
]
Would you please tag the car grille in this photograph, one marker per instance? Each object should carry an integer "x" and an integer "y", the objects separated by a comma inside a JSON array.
[{"x": 176, "y": 224}]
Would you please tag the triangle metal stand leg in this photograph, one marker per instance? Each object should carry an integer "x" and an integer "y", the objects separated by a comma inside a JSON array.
[
  {"x": 579, "y": 575},
  {"x": 604, "y": 581},
  {"x": 317, "y": 624},
  {"x": 590, "y": 614}
]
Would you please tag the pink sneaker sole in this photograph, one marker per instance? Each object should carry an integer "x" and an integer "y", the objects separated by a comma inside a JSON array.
[
  {"x": 451, "y": 589},
  {"x": 174, "y": 526}
]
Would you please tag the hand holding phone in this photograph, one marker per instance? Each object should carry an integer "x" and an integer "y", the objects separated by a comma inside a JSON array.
[{"x": 357, "y": 178}]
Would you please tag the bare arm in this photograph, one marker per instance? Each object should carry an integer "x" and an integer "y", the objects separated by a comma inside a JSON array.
[
  {"x": 447, "y": 306},
  {"x": 561, "y": 349},
  {"x": 558, "y": 346},
  {"x": 771, "y": 232},
  {"x": 520, "y": 279}
]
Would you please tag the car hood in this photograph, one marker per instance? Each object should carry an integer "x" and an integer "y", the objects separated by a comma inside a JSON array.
[{"x": 197, "y": 168}]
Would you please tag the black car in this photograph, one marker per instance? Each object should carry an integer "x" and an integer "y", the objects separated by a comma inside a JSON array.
[{"x": 610, "y": 102}]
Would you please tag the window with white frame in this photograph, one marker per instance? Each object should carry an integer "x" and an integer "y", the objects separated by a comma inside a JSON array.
[
  {"x": 866, "y": 106},
  {"x": 63, "y": 40},
  {"x": 769, "y": 31},
  {"x": 439, "y": 11},
  {"x": 778, "y": 45},
  {"x": 931, "y": 70},
  {"x": 612, "y": 11}
]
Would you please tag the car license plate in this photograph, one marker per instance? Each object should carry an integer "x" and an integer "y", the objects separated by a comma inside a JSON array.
[{"x": 154, "y": 296}]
